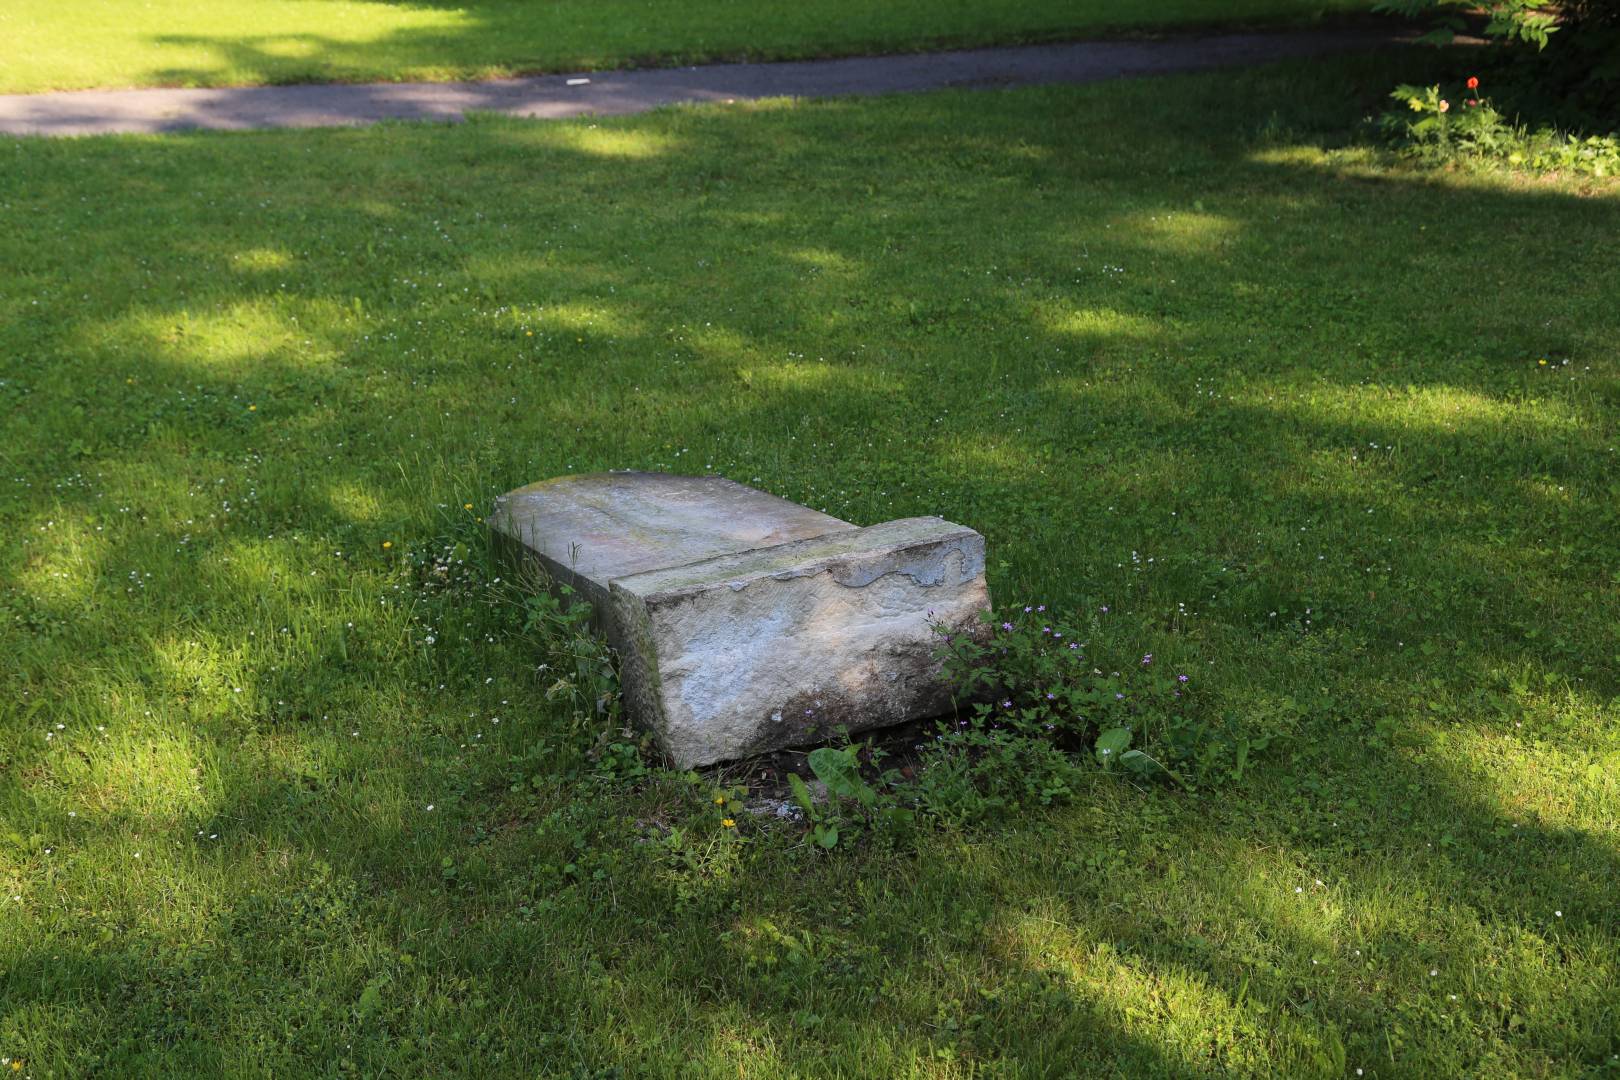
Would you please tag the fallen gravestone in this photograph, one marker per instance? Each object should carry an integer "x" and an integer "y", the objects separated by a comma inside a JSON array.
[{"x": 744, "y": 622}]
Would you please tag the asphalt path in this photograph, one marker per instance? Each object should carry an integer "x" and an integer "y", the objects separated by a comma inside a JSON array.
[{"x": 611, "y": 93}]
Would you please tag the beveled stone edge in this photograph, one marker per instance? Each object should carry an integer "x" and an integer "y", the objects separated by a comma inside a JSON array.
[{"x": 801, "y": 558}]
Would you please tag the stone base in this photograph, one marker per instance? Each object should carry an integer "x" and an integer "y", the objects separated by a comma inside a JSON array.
[{"x": 746, "y": 623}]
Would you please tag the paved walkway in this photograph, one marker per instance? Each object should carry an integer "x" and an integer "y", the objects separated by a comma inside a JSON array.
[{"x": 96, "y": 112}]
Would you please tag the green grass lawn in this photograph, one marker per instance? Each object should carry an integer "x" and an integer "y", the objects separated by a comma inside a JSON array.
[
  {"x": 282, "y": 789},
  {"x": 68, "y": 44}
]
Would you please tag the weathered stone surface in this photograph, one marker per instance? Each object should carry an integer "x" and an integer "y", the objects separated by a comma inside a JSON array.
[
  {"x": 781, "y": 646},
  {"x": 746, "y": 623},
  {"x": 587, "y": 530}
]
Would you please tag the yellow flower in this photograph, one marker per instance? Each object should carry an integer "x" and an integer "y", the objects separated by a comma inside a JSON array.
[
  {"x": 728, "y": 823},
  {"x": 719, "y": 800},
  {"x": 1542, "y": 362},
  {"x": 387, "y": 544},
  {"x": 467, "y": 506},
  {"x": 253, "y": 408}
]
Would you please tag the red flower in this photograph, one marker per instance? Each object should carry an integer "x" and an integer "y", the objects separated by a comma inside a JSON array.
[
  {"x": 1473, "y": 82},
  {"x": 1472, "y": 102}
]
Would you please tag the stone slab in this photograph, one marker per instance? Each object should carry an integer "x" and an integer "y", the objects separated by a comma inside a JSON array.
[
  {"x": 785, "y": 645},
  {"x": 746, "y": 623},
  {"x": 587, "y": 530}
]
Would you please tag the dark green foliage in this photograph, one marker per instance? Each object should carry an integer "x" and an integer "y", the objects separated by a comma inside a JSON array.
[{"x": 1553, "y": 79}]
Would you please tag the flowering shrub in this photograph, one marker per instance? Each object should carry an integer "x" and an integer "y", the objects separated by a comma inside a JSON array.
[
  {"x": 1562, "y": 100},
  {"x": 1442, "y": 128}
]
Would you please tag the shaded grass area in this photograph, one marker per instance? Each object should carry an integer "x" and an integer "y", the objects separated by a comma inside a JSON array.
[
  {"x": 282, "y": 786},
  {"x": 71, "y": 44}
]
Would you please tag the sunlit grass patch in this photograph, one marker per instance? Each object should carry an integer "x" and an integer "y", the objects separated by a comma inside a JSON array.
[
  {"x": 255, "y": 260},
  {"x": 1184, "y": 230},
  {"x": 613, "y": 143}
]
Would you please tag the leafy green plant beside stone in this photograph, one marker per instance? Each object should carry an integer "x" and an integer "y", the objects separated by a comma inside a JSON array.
[
  {"x": 1034, "y": 687},
  {"x": 580, "y": 673},
  {"x": 853, "y": 805}
]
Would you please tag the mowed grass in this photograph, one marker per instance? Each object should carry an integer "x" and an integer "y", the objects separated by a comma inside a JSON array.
[
  {"x": 69, "y": 44},
  {"x": 281, "y": 787}
]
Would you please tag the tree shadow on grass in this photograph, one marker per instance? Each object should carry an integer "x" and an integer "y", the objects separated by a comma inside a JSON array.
[
  {"x": 1150, "y": 352},
  {"x": 498, "y": 39},
  {"x": 430, "y": 39}
]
